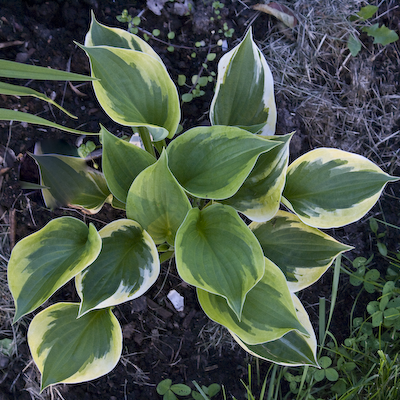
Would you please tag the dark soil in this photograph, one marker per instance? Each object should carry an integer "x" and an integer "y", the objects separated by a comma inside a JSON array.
[{"x": 159, "y": 342}]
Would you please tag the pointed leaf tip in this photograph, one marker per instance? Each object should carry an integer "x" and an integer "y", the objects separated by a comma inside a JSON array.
[
  {"x": 330, "y": 188},
  {"x": 102, "y": 35},
  {"x": 216, "y": 251},
  {"x": 292, "y": 349},
  {"x": 260, "y": 195},
  {"x": 268, "y": 312},
  {"x": 244, "y": 94},
  {"x": 213, "y": 162},
  {"x": 303, "y": 253}
]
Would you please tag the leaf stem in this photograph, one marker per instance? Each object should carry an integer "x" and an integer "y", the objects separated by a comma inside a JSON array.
[
  {"x": 146, "y": 140},
  {"x": 160, "y": 146}
]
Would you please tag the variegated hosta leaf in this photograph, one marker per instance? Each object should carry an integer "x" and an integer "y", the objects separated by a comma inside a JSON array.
[
  {"x": 135, "y": 89},
  {"x": 101, "y": 35},
  {"x": 71, "y": 182},
  {"x": 43, "y": 262},
  {"x": 217, "y": 252},
  {"x": 268, "y": 311},
  {"x": 67, "y": 349},
  {"x": 126, "y": 267},
  {"x": 244, "y": 95},
  {"x": 303, "y": 253},
  {"x": 157, "y": 202},
  {"x": 292, "y": 349},
  {"x": 330, "y": 188},
  {"x": 122, "y": 162},
  {"x": 212, "y": 162},
  {"x": 115, "y": 203},
  {"x": 260, "y": 195},
  {"x": 16, "y": 90}
]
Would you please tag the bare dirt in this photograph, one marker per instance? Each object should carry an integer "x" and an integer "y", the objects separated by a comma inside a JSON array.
[{"x": 160, "y": 342}]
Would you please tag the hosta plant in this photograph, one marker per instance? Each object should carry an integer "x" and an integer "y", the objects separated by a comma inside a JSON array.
[{"x": 210, "y": 197}]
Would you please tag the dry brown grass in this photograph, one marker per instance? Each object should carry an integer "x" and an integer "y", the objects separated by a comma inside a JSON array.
[
  {"x": 5, "y": 306},
  {"x": 352, "y": 103},
  {"x": 7, "y": 329}
]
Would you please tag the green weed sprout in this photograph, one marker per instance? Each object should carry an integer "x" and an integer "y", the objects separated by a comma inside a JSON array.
[
  {"x": 366, "y": 365},
  {"x": 171, "y": 391},
  {"x": 381, "y": 34}
]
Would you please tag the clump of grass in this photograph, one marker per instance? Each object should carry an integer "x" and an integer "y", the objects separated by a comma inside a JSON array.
[
  {"x": 6, "y": 304},
  {"x": 10, "y": 338}
]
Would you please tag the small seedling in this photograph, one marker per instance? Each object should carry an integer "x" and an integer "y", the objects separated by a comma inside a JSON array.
[
  {"x": 326, "y": 370},
  {"x": 362, "y": 275},
  {"x": 386, "y": 310},
  {"x": 217, "y": 6},
  {"x": 228, "y": 32},
  {"x": 86, "y": 148},
  {"x": 204, "y": 392},
  {"x": 381, "y": 34},
  {"x": 199, "y": 81},
  {"x": 373, "y": 224},
  {"x": 133, "y": 22},
  {"x": 211, "y": 56},
  {"x": 170, "y": 391},
  {"x": 6, "y": 346}
]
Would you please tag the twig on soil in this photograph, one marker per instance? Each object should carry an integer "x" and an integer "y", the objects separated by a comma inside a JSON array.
[
  {"x": 30, "y": 211},
  {"x": 165, "y": 279},
  {"x": 13, "y": 228},
  {"x": 57, "y": 391},
  {"x": 3, "y": 45},
  {"x": 76, "y": 90},
  {"x": 173, "y": 361},
  {"x": 140, "y": 377}
]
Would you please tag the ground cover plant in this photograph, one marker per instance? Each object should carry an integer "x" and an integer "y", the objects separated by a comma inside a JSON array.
[
  {"x": 182, "y": 199},
  {"x": 366, "y": 364},
  {"x": 321, "y": 93}
]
